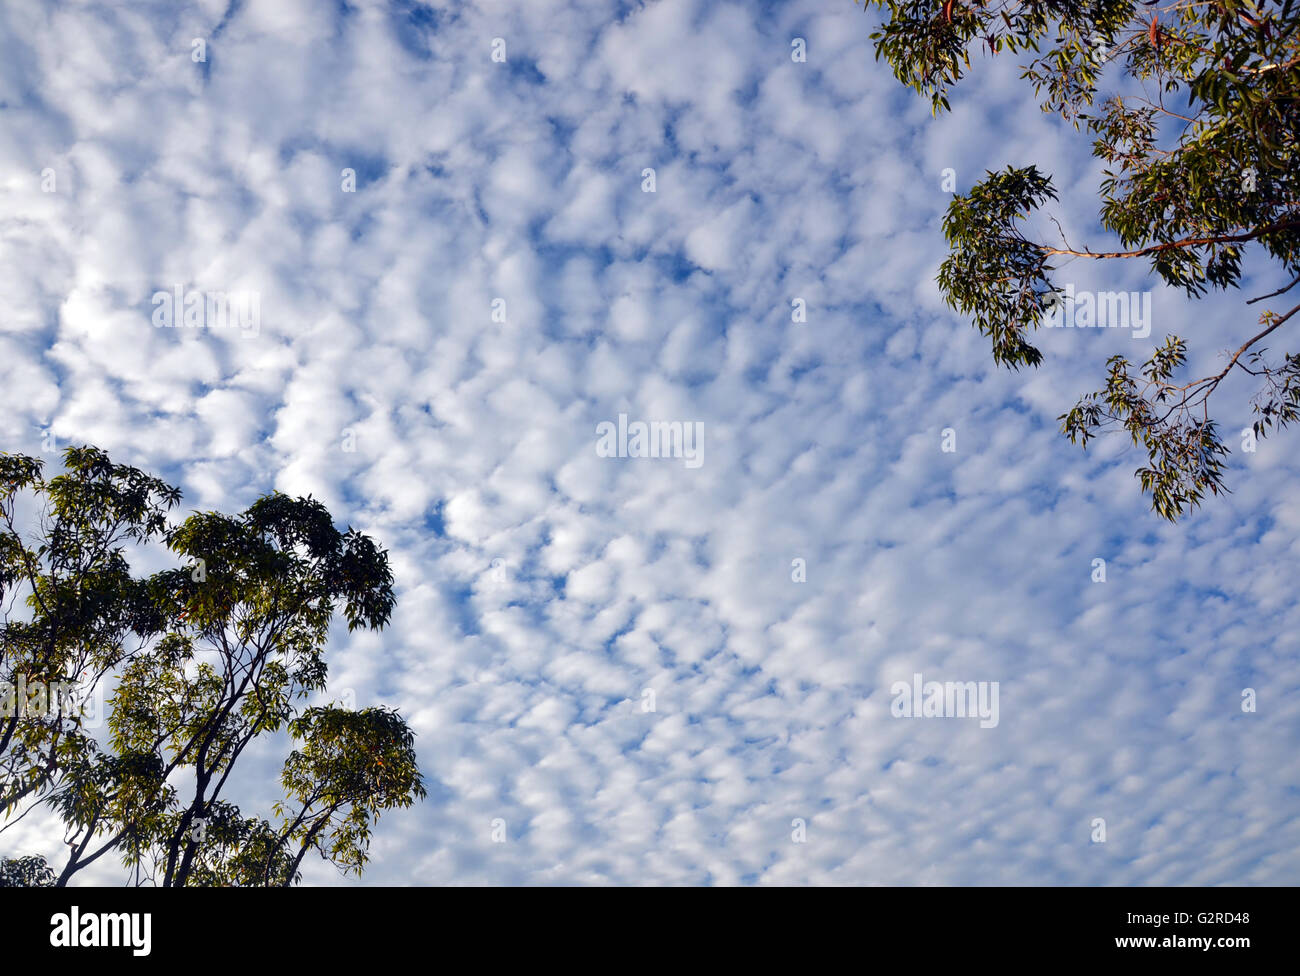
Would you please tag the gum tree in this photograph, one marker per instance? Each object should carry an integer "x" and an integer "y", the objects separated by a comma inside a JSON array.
[
  {"x": 86, "y": 613},
  {"x": 1198, "y": 132},
  {"x": 203, "y": 660}
]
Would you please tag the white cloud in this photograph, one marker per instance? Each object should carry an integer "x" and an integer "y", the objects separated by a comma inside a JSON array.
[{"x": 775, "y": 180}]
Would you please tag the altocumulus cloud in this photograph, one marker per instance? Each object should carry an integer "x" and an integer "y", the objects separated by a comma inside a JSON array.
[{"x": 628, "y": 669}]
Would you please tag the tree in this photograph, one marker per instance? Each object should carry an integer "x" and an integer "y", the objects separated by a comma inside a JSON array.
[
  {"x": 1199, "y": 136},
  {"x": 26, "y": 872},
  {"x": 202, "y": 660}
]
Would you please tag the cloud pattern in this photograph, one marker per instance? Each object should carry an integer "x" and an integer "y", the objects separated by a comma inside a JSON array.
[{"x": 437, "y": 348}]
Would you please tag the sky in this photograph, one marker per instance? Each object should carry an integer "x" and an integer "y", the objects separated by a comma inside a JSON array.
[{"x": 478, "y": 231}]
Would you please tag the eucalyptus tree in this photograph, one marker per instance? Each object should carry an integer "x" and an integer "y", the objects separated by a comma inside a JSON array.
[
  {"x": 202, "y": 660},
  {"x": 1192, "y": 107}
]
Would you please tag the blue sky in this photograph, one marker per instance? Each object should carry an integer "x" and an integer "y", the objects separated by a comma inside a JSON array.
[{"x": 543, "y": 589}]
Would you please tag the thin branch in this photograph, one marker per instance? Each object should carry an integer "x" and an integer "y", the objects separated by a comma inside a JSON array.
[
  {"x": 1171, "y": 245},
  {"x": 1274, "y": 294}
]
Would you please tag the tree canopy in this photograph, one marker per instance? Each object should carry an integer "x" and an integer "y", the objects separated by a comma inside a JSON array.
[
  {"x": 1198, "y": 132},
  {"x": 198, "y": 661}
]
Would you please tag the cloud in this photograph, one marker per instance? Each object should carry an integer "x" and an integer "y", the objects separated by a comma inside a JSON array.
[{"x": 548, "y": 596}]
